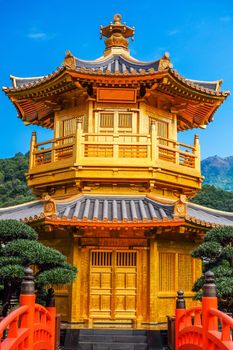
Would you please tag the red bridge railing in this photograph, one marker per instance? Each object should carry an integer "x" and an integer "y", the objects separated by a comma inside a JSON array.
[
  {"x": 205, "y": 327},
  {"x": 31, "y": 326}
]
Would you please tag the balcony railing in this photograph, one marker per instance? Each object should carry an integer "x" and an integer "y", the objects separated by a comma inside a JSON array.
[
  {"x": 91, "y": 148},
  {"x": 54, "y": 150}
]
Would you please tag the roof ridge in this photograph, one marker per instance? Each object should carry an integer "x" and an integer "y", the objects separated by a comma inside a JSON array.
[
  {"x": 21, "y": 205},
  {"x": 212, "y": 210}
]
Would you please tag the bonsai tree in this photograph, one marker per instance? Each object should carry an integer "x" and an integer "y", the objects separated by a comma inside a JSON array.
[
  {"x": 216, "y": 253},
  {"x": 19, "y": 248}
]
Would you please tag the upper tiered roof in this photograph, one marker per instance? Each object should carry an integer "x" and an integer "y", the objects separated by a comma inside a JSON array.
[{"x": 194, "y": 101}]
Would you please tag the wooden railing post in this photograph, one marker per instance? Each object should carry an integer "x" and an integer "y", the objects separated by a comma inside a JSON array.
[
  {"x": 209, "y": 300},
  {"x": 50, "y": 306},
  {"x": 116, "y": 146},
  {"x": 32, "y": 150},
  {"x": 78, "y": 142},
  {"x": 27, "y": 297},
  {"x": 180, "y": 311},
  {"x": 154, "y": 143},
  {"x": 197, "y": 153}
]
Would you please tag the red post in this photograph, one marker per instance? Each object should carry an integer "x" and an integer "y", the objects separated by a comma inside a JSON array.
[
  {"x": 209, "y": 300},
  {"x": 27, "y": 297},
  {"x": 50, "y": 306},
  {"x": 180, "y": 310}
]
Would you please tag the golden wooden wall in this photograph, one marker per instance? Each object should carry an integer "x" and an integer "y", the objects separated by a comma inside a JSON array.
[{"x": 162, "y": 269}]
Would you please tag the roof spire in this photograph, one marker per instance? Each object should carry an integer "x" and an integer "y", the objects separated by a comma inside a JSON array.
[{"x": 116, "y": 34}]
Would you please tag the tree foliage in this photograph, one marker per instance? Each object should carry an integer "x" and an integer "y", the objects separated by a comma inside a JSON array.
[
  {"x": 213, "y": 197},
  {"x": 216, "y": 253},
  {"x": 19, "y": 248},
  {"x": 13, "y": 184}
]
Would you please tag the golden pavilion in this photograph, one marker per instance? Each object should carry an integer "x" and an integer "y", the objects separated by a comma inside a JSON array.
[{"x": 114, "y": 182}]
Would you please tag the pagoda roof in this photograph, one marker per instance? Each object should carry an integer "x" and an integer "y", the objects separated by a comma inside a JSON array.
[
  {"x": 96, "y": 210},
  {"x": 118, "y": 65}
]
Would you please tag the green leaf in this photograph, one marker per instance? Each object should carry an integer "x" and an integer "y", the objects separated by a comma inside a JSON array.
[
  {"x": 33, "y": 252},
  {"x": 12, "y": 229},
  {"x": 207, "y": 250},
  {"x": 56, "y": 276},
  {"x": 11, "y": 272}
]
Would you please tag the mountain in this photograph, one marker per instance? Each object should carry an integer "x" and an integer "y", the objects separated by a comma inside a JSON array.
[{"x": 218, "y": 172}]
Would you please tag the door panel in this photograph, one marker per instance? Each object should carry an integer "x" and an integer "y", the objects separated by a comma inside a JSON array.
[
  {"x": 113, "y": 285},
  {"x": 100, "y": 284}
]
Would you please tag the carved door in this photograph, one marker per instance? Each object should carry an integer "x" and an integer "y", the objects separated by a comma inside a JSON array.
[{"x": 113, "y": 285}]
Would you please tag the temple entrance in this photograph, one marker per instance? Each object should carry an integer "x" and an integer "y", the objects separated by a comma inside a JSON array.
[{"x": 113, "y": 285}]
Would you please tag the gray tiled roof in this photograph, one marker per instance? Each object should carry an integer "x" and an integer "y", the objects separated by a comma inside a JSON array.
[
  {"x": 203, "y": 215},
  {"x": 116, "y": 209},
  {"x": 23, "y": 211},
  {"x": 117, "y": 63},
  {"x": 110, "y": 208},
  {"x": 207, "y": 85},
  {"x": 20, "y": 82}
]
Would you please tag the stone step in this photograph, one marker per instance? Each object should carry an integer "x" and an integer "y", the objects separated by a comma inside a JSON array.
[
  {"x": 114, "y": 338},
  {"x": 102, "y": 331},
  {"x": 111, "y": 346}
]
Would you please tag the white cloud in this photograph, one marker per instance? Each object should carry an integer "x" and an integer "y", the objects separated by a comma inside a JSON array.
[
  {"x": 173, "y": 32},
  {"x": 37, "y": 35}
]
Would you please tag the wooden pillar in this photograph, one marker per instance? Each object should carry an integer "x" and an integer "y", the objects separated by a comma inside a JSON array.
[
  {"x": 32, "y": 150},
  {"x": 78, "y": 148},
  {"x": 76, "y": 286},
  {"x": 154, "y": 281},
  {"x": 154, "y": 143},
  {"x": 197, "y": 153}
]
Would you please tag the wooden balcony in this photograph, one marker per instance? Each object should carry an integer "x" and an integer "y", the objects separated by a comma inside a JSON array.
[{"x": 140, "y": 154}]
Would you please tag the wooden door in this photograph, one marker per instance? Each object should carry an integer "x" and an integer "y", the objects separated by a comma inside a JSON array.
[
  {"x": 125, "y": 285},
  {"x": 113, "y": 285}
]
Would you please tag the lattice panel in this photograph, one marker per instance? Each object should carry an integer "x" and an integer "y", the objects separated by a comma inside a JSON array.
[
  {"x": 106, "y": 120},
  {"x": 126, "y": 259},
  {"x": 101, "y": 259},
  {"x": 185, "y": 272},
  {"x": 167, "y": 272},
  {"x": 126, "y": 151},
  {"x": 125, "y": 120},
  {"x": 98, "y": 151}
]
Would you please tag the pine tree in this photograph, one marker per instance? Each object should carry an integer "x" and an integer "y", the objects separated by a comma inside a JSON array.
[
  {"x": 216, "y": 253},
  {"x": 19, "y": 248}
]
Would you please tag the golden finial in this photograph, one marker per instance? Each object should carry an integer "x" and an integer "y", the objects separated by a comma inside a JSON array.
[
  {"x": 116, "y": 33},
  {"x": 117, "y": 18}
]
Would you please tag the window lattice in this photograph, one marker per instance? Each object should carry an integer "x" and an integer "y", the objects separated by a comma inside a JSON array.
[
  {"x": 106, "y": 120},
  {"x": 69, "y": 126},
  {"x": 125, "y": 120}
]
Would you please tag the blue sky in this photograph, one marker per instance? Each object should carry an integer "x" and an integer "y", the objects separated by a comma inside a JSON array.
[{"x": 34, "y": 36}]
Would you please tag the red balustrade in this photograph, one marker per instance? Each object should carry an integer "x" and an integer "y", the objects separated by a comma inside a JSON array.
[
  {"x": 205, "y": 327},
  {"x": 31, "y": 326}
]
